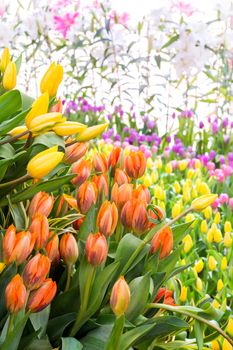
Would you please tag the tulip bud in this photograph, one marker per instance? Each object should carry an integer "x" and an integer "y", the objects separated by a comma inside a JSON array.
[
  {"x": 229, "y": 328},
  {"x": 177, "y": 187},
  {"x": 100, "y": 163},
  {"x": 163, "y": 241},
  {"x": 208, "y": 212},
  {"x": 121, "y": 194},
  {"x": 204, "y": 201},
  {"x": 183, "y": 294},
  {"x": 5, "y": 59},
  {"x": 101, "y": 182},
  {"x": 45, "y": 122},
  {"x": 107, "y": 218},
  {"x": 120, "y": 297},
  {"x": 142, "y": 193},
  {"x": 91, "y": 132},
  {"x": 2, "y": 267},
  {"x": 212, "y": 263},
  {"x": 224, "y": 263},
  {"x": 220, "y": 285},
  {"x": 69, "y": 249},
  {"x": 227, "y": 240},
  {"x": 18, "y": 130},
  {"x": 217, "y": 218},
  {"x": 199, "y": 284},
  {"x": 217, "y": 236},
  {"x": 96, "y": 249},
  {"x": 227, "y": 226},
  {"x": 9, "y": 76},
  {"x": 16, "y": 247},
  {"x": 166, "y": 295},
  {"x": 204, "y": 226},
  {"x": 42, "y": 297},
  {"x": 135, "y": 164},
  {"x": 210, "y": 235},
  {"x": 86, "y": 196},
  {"x": 44, "y": 162},
  {"x": 75, "y": 152},
  {"x": 36, "y": 271},
  {"x": 41, "y": 203},
  {"x": 147, "y": 180},
  {"x": 121, "y": 177},
  {"x": 226, "y": 345},
  {"x": 40, "y": 229},
  {"x": 39, "y": 107},
  {"x": 176, "y": 210},
  {"x": 15, "y": 294},
  {"x": 113, "y": 159},
  {"x": 134, "y": 216},
  {"x": 78, "y": 223},
  {"x": 68, "y": 128},
  {"x": 52, "y": 79},
  {"x": 188, "y": 243},
  {"x": 52, "y": 246},
  {"x": 83, "y": 169},
  {"x": 57, "y": 107},
  {"x": 199, "y": 266},
  {"x": 159, "y": 193},
  {"x": 168, "y": 168},
  {"x": 182, "y": 164},
  {"x": 215, "y": 345}
]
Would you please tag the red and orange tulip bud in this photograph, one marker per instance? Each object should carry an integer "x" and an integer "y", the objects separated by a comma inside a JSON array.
[
  {"x": 36, "y": 271},
  {"x": 16, "y": 247},
  {"x": 120, "y": 297},
  {"x": 134, "y": 216},
  {"x": 157, "y": 214},
  {"x": 15, "y": 294},
  {"x": 100, "y": 163},
  {"x": 40, "y": 230},
  {"x": 52, "y": 246},
  {"x": 86, "y": 196},
  {"x": 162, "y": 240},
  {"x": 69, "y": 249},
  {"x": 42, "y": 297},
  {"x": 57, "y": 107},
  {"x": 83, "y": 169},
  {"x": 41, "y": 203},
  {"x": 101, "y": 182},
  {"x": 52, "y": 79},
  {"x": 75, "y": 152},
  {"x": 61, "y": 205},
  {"x": 121, "y": 177},
  {"x": 114, "y": 159},
  {"x": 142, "y": 193},
  {"x": 121, "y": 194},
  {"x": 96, "y": 249},
  {"x": 166, "y": 295},
  {"x": 78, "y": 223},
  {"x": 107, "y": 218},
  {"x": 135, "y": 164}
]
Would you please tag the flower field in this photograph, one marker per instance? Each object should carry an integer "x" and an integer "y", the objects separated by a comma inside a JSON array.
[{"x": 116, "y": 178}]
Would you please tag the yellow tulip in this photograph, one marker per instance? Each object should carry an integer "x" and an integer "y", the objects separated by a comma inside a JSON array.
[
  {"x": 199, "y": 266},
  {"x": 159, "y": 193},
  {"x": 44, "y": 162},
  {"x": 182, "y": 164},
  {"x": 203, "y": 188},
  {"x": 183, "y": 294},
  {"x": 177, "y": 187},
  {"x": 188, "y": 243},
  {"x": 9, "y": 76},
  {"x": 52, "y": 79},
  {"x": 220, "y": 285},
  {"x": 39, "y": 107},
  {"x": 212, "y": 263},
  {"x": 210, "y": 235},
  {"x": 227, "y": 240},
  {"x": 226, "y": 345},
  {"x": 199, "y": 284},
  {"x": 154, "y": 176},
  {"x": 217, "y": 236},
  {"x": 197, "y": 164},
  {"x": 194, "y": 193},
  {"x": 186, "y": 192},
  {"x": 227, "y": 226},
  {"x": 5, "y": 59},
  {"x": 204, "y": 201},
  {"x": 168, "y": 168},
  {"x": 147, "y": 180},
  {"x": 2, "y": 266},
  {"x": 176, "y": 210},
  {"x": 19, "y": 130},
  {"x": 216, "y": 304},
  {"x": 215, "y": 345},
  {"x": 158, "y": 163},
  {"x": 229, "y": 328},
  {"x": 224, "y": 263},
  {"x": 68, "y": 128},
  {"x": 45, "y": 122},
  {"x": 217, "y": 218},
  {"x": 208, "y": 212},
  {"x": 204, "y": 226},
  {"x": 190, "y": 217},
  {"x": 149, "y": 163},
  {"x": 190, "y": 173},
  {"x": 91, "y": 132}
]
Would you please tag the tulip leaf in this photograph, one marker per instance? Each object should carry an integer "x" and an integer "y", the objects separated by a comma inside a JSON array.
[
  {"x": 47, "y": 140},
  {"x": 13, "y": 122},
  {"x": 18, "y": 63},
  {"x": 5, "y": 278},
  {"x": 10, "y": 103},
  {"x": 38, "y": 344},
  {"x": 27, "y": 101},
  {"x": 198, "y": 329},
  {"x": 57, "y": 325},
  {"x": 39, "y": 320},
  {"x": 19, "y": 215},
  {"x": 88, "y": 224},
  {"x": 180, "y": 231},
  {"x": 6, "y": 151},
  {"x": 70, "y": 343},
  {"x": 167, "y": 264}
]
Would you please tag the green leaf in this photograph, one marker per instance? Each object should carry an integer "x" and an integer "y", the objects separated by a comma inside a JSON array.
[
  {"x": 19, "y": 215},
  {"x": 129, "y": 338},
  {"x": 180, "y": 231},
  {"x": 27, "y": 101},
  {"x": 39, "y": 344},
  {"x": 5, "y": 278},
  {"x": 10, "y": 103},
  {"x": 57, "y": 325},
  {"x": 71, "y": 344},
  {"x": 171, "y": 41},
  {"x": 18, "y": 63},
  {"x": 6, "y": 152},
  {"x": 13, "y": 122},
  {"x": 167, "y": 264},
  {"x": 48, "y": 140},
  {"x": 96, "y": 339},
  {"x": 39, "y": 320},
  {"x": 199, "y": 334},
  {"x": 88, "y": 224}
]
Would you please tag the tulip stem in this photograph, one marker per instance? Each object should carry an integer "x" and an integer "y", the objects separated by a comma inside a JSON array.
[
  {"x": 148, "y": 238},
  {"x": 69, "y": 269},
  {"x": 14, "y": 138},
  {"x": 115, "y": 336},
  {"x": 16, "y": 181},
  {"x": 118, "y": 231},
  {"x": 192, "y": 315},
  {"x": 11, "y": 324}
]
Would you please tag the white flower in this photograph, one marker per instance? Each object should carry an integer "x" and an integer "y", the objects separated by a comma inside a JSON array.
[{"x": 6, "y": 34}]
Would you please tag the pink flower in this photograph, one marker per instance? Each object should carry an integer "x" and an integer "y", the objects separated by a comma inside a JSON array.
[
  {"x": 231, "y": 203},
  {"x": 2, "y": 10},
  {"x": 184, "y": 8},
  {"x": 210, "y": 166},
  {"x": 63, "y": 24},
  {"x": 223, "y": 198},
  {"x": 119, "y": 18},
  {"x": 227, "y": 170},
  {"x": 215, "y": 204}
]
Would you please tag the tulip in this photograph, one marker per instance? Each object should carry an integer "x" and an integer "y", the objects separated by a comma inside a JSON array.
[
  {"x": 52, "y": 79},
  {"x": 121, "y": 177},
  {"x": 121, "y": 194},
  {"x": 69, "y": 249},
  {"x": 96, "y": 249},
  {"x": 176, "y": 209},
  {"x": 208, "y": 212},
  {"x": 227, "y": 226},
  {"x": 182, "y": 164},
  {"x": 83, "y": 170},
  {"x": 100, "y": 163},
  {"x": 75, "y": 152},
  {"x": 217, "y": 236},
  {"x": 78, "y": 223},
  {"x": 16, "y": 247},
  {"x": 15, "y": 294},
  {"x": 159, "y": 193},
  {"x": 40, "y": 230},
  {"x": 101, "y": 182},
  {"x": 227, "y": 240},
  {"x": 91, "y": 132},
  {"x": 41, "y": 203},
  {"x": 68, "y": 128},
  {"x": 135, "y": 164},
  {"x": 188, "y": 243},
  {"x": 199, "y": 266},
  {"x": 215, "y": 345},
  {"x": 72, "y": 202},
  {"x": 229, "y": 328},
  {"x": 183, "y": 294},
  {"x": 168, "y": 168},
  {"x": 226, "y": 345},
  {"x": 134, "y": 216},
  {"x": 2, "y": 267},
  {"x": 45, "y": 122},
  {"x": 57, "y": 107},
  {"x": 177, "y": 187},
  {"x": 5, "y": 59},
  {"x": 9, "y": 76},
  {"x": 114, "y": 158},
  {"x": 107, "y": 218},
  {"x": 204, "y": 226},
  {"x": 36, "y": 271},
  {"x": 120, "y": 297},
  {"x": 203, "y": 202},
  {"x": 163, "y": 241},
  {"x": 217, "y": 218},
  {"x": 39, "y": 107},
  {"x": 44, "y": 162},
  {"x": 220, "y": 285},
  {"x": 86, "y": 196},
  {"x": 166, "y": 295},
  {"x": 224, "y": 263},
  {"x": 18, "y": 131},
  {"x": 212, "y": 263},
  {"x": 199, "y": 284},
  {"x": 52, "y": 246},
  {"x": 142, "y": 193},
  {"x": 42, "y": 297}
]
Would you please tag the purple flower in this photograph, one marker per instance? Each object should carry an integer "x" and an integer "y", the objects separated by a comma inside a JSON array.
[
  {"x": 212, "y": 154},
  {"x": 230, "y": 156},
  {"x": 117, "y": 137},
  {"x": 201, "y": 125},
  {"x": 221, "y": 159},
  {"x": 223, "y": 198},
  {"x": 168, "y": 139},
  {"x": 225, "y": 122},
  {"x": 215, "y": 128},
  {"x": 150, "y": 124}
]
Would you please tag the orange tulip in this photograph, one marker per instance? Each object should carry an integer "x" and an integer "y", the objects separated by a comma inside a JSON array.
[
  {"x": 16, "y": 247},
  {"x": 61, "y": 205},
  {"x": 120, "y": 297},
  {"x": 107, "y": 218},
  {"x": 69, "y": 249},
  {"x": 114, "y": 158},
  {"x": 83, "y": 169},
  {"x": 78, "y": 223},
  {"x": 166, "y": 295},
  {"x": 41, "y": 203},
  {"x": 86, "y": 196},
  {"x": 40, "y": 230},
  {"x": 15, "y": 294},
  {"x": 75, "y": 152},
  {"x": 134, "y": 216},
  {"x": 100, "y": 163},
  {"x": 162, "y": 240},
  {"x": 101, "y": 182},
  {"x": 121, "y": 177},
  {"x": 36, "y": 271},
  {"x": 135, "y": 164},
  {"x": 142, "y": 192},
  {"x": 57, "y": 107},
  {"x": 52, "y": 246},
  {"x": 121, "y": 194},
  {"x": 157, "y": 214},
  {"x": 42, "y": 297},
  {"x": 96, "y": 249}
]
